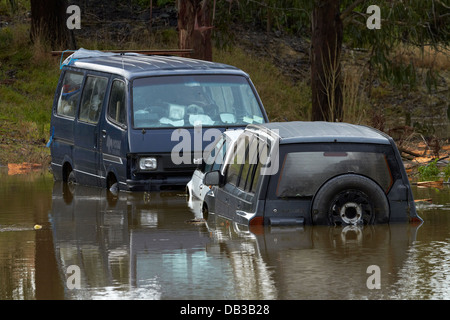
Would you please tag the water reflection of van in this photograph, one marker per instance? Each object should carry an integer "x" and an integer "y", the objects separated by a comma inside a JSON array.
[{"x": 137, "y": 122}]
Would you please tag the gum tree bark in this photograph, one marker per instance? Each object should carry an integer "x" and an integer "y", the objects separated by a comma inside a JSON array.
[
  {"x": 326, "y": 44},
  {"x": 48, "y": 24},
  {"x": 194, "y": 27}
]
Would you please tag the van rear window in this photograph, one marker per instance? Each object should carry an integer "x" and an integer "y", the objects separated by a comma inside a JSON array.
[
  {"x": 304, "y": 172},
  {"x": 70, "y": 94},
  {"x": 194, "y": 100}
]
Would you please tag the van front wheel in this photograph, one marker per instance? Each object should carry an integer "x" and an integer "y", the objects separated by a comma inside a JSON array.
[
  {"x": 350, "y": 200},
  {"x": 71, "y": 178}
]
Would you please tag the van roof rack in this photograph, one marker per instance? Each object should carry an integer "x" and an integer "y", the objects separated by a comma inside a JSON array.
[
  {"x": 163, "y": 52},
  {"x": 85, "y": 53}
]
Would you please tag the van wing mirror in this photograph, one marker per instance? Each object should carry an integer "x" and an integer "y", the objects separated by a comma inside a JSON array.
[{"x": 212, "y": 178}]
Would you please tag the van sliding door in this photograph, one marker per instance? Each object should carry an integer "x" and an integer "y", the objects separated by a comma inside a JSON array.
[
  {"x": 113, "y": 135},
  {"x": 86, "y": 151}
]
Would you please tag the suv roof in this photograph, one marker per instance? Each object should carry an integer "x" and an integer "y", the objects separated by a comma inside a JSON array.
[
  {"x": 317, "y": 131},
  {"x": 131, "y": 65}
]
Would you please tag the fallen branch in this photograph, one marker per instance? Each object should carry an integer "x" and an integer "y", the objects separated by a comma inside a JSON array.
[{"x": 412, "y": 153}]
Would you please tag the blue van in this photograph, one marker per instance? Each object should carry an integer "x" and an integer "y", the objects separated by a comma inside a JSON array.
[{"x": 135, "y": 122}]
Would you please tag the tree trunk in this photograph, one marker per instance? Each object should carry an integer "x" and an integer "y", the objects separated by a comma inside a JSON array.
[
  {"x": 194, "y": 27},
  {"x": 326, "y": 44},
  {"x": 48, "y": 24}
]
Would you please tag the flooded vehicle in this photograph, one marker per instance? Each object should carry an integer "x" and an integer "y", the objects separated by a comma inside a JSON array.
[
  {"x": 214, "y": 161},
  {"x": 135, "y": 122},
  {"x": 312, "y": 173}
]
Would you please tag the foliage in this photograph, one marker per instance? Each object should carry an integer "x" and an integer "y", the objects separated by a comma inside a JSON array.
[
  {"x": 447, "y": 172},
  {"x": 432, "y": 172},
  {"x": 429, "y": 171},
  {"x": 408, "y": 23}
]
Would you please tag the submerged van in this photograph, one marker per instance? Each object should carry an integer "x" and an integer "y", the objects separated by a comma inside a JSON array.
[{"x": 135, "y": 122}]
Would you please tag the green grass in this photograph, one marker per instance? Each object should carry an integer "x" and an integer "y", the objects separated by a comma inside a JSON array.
[{"x": 30, "y": 76}]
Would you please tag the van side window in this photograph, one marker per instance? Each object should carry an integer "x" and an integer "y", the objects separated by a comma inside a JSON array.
[
  {"x": 92, "y": 99},
  {"x": 117, "y": 111},
  {"x": 70, "y": 94}
]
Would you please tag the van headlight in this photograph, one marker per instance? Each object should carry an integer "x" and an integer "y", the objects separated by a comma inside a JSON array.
[{"x": 147, "y": 163}]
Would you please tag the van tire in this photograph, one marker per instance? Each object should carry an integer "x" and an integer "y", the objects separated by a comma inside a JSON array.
[
  {"x": 71, "y": 178},
  {"x": 350, "y": 199},
  {"x": 111, "y": 184}
]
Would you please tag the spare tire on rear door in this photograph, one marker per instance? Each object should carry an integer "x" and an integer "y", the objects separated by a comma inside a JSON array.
[{"x": 350, "y": 199}]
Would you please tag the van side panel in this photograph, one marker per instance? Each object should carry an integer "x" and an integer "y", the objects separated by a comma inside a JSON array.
[
  {"x": 114, "y": 135},
  {"x": 61, "y": 131},
  {"x": 86, "y": 154},
  {"x": 114, "y": 149}
]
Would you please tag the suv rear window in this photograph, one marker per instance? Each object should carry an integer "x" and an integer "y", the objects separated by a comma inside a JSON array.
[{"x": 304, "y": 172}]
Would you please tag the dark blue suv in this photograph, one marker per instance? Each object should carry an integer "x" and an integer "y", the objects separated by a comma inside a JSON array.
[
  {"x": 137, "y": 122},
  {"x": 314, "y": 173}
]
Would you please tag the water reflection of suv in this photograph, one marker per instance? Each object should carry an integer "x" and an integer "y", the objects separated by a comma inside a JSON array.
[{"x": 312, "y": 173}]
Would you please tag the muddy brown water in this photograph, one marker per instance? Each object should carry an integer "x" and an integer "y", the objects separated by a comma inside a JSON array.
[{"x": 77, "y": 243}]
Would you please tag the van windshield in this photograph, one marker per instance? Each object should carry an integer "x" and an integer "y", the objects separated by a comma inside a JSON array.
[{"x": 194, "y": 100}]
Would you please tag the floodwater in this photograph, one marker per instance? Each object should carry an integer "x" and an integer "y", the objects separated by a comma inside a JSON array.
[{"x": 87, "y": 245}]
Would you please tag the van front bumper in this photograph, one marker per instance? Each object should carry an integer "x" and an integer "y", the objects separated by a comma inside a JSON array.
[{"x": 157, "y": 184}]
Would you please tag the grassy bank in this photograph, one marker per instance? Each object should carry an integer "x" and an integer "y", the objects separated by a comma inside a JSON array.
[{"x": 27, "y": 82}]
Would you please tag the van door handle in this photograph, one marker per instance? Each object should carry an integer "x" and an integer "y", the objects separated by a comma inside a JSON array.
[{"x": 104, "y": 133}]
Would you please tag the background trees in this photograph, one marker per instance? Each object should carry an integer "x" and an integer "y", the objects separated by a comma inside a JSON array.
[
  {"x": 407, "y": 26},
  {"x": 330, "y": 26}
]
